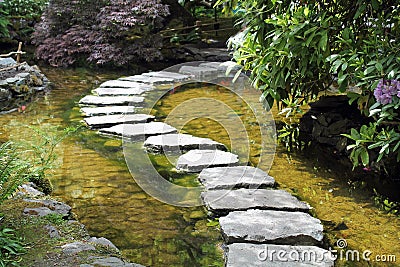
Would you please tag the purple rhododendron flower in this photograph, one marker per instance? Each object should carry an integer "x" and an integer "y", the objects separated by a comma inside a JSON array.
[{"x": 385, "y": 90}]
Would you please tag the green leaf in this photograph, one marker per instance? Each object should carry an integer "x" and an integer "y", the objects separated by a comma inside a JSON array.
[
  {"x": 323, "y": 41},
  {"x": 364, "y": 157}
]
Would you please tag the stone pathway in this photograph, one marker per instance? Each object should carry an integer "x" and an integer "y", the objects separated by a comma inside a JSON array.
[{"x": 255, "y": 218}]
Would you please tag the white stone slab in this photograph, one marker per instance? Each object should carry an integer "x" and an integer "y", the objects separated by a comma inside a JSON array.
[
  {"x": 120, "y": 84},
  {"x": 110, "y": 120},
  {"x": 148, "y": 80},
  {"x": 179, "y": 142},
  {"x": 139, "y": 131},
  {"x": 197, "y": 160},
  {"x": 110, "y": 100},
  {"x": 115, "y": 91},
  {"x": 176, "y": 77},
  {"x": 271, "y": 227},
  {"x": 224, "y": 201},
  {"x": 235, "y": 177},
  {"x": 261, "y": 255},
  {"x": 108, "y": 110}
]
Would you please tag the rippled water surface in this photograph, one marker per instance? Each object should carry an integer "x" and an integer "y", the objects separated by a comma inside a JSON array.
[{"x": 93, "y": 178}]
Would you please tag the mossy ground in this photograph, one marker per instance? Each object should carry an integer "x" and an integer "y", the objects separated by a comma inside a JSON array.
[{"x": 41, "y": 249}]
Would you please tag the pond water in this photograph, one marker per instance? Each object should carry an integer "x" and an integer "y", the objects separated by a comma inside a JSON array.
[{"x": 93, "y": 178}]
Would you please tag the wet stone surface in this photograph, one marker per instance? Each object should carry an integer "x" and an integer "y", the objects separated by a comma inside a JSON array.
[
  {"x": 148, "y": 79},
  {"x": 109, "y": 120},
  {"x": 98, "y": 111},
  {"x": 125, "y": 84},
  {"x": 223, "y": 201},
  {"x": 140, "y": 130},
  {"x": 197, "y": 160},
  {"x": 272, "y": 227},
  {"x": 119, "y": 91},
  {"x": 111, "y": 100},
  {"x": 242, "y": 254},
  {"x": 235, "y": 177},
  {"x": 179, "y": 142}
]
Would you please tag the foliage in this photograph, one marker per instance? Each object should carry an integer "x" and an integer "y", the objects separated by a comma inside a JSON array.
[
  {"x": 384, "y": 133},
  {"x": 10, "y": 248},
  {"x": 100, "y": 32},
  {"x": 296, "y": 49},
  {"x": 13, "y": 170},
  {"x": 27, "y": 9},
  {"x": 34, "y": 165},
  {"x": 18, "y": 16},
  {"x": 4, "y": 22},
  {"x": 41, "y": 155}
]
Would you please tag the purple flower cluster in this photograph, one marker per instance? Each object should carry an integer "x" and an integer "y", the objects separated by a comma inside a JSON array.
[{"x": 385, "y": 90}]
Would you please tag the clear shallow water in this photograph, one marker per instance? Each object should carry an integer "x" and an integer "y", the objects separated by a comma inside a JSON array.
[{"x": 94, "y": 179}]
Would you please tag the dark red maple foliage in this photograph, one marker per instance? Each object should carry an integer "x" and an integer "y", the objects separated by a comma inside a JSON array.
[{"x": 100, "y": 31}]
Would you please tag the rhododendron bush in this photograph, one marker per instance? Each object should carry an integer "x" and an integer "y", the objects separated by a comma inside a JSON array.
[{"x": 100, "y": 31}]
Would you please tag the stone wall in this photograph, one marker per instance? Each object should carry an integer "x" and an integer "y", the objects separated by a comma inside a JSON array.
[
  {"x": 327, "y": 119},
  {"x": 18, "y": 85}
]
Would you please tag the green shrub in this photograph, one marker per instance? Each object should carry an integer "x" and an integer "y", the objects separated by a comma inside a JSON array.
[
  {"x": 13, "y": 170},
  {"x": 10, "y": 248}
]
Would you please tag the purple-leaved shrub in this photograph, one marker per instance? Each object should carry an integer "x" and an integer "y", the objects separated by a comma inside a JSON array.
[{"x": 100, "y": 31}]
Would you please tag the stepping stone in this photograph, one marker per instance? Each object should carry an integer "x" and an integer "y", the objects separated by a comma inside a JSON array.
[
  {"x": 257, "y": 255},
  {"x": 178, "y": 142},
  {"x": 271, "y": 227},
  {"x": 177, "y": 77},
  {"x": 197, "y": 160},
  {"x": 224, "y": 201},
  {"x": 198, "y": 71},
  {"x": 140, "y": 130},
  {"x": 235, "y": 177},
  {"x": 124, "y": 84},
  {"x": 213, "y": 65},
  {"x": 147, "y": 79},
  {"x": 98, "y": 111},
  {"x": 110, "y": 120},
  {"x": 110, "y": 100},
  {"x": 103, "y": 91}
]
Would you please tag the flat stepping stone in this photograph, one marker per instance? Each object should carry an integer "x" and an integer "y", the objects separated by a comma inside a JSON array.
[
  {"x": 180, "y": 142},
  {"x": 110, "y": 120},
  {"x": 123, "y": 84},
  {"x": 242, "y": 254},
  {"x": 235, "y": 177},
  {"x": 140, "y": 130},
  {"x": 103, "y": 91},
  {"x": 109, "y": 110},
  {"x": 198, "y": 71},
  {"x": 213, "y": 65},
  {"x": 148, "y": 79},
  {"x": 110, "y": 100},
  {"x": 177, "y": 77},
  {"x": 197, "y": 160},
  {"x": 271, "y": 227},
  {"x": 224, "y": 201}
]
